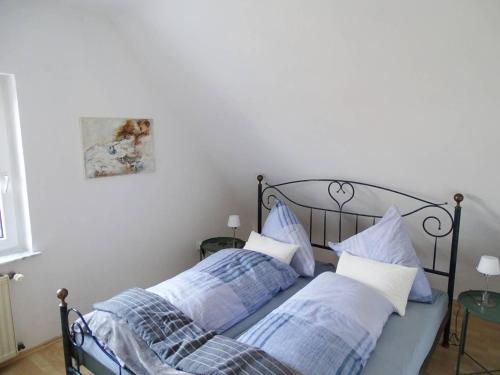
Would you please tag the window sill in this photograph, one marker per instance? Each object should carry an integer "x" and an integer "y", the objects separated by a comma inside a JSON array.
[{"x": 20, "y": 254}]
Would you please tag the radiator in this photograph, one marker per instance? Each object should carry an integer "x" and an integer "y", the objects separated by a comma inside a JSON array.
[{"x": 8, "y": 347}]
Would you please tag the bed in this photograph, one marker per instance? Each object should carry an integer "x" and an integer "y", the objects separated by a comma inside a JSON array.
[{"x": 394, "y": 353}]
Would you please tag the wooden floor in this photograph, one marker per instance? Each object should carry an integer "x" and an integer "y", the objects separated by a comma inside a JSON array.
[{"x": 483, "y": 343}]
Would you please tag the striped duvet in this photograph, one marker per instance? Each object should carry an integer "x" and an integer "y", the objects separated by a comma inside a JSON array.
[
  {"x": 181, "y": 343},
  {"x": 329, "y": 327},
  {"x": 226, "y": 287}
]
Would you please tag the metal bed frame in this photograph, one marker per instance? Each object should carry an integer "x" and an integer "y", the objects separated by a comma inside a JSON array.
[{"x": 340, "y": 192}]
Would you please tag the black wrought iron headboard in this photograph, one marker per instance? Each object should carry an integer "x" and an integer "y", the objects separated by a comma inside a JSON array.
[{"x": 348, "y": 190}]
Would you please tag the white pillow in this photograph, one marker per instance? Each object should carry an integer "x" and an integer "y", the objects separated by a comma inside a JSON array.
[
  {"x": 265, "y": 245},
  {"x": 393, "y": 281}
]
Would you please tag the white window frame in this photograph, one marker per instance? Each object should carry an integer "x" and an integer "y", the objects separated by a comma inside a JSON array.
[
  {"x": 16, "y": 241},
  {"x": 2, "y": 214}
]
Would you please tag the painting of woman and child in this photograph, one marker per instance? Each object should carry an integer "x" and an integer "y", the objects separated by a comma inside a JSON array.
[{"x": 117, "y": 146}]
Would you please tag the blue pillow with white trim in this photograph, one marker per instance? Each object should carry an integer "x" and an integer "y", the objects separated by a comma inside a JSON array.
[
  {"x": 282, "y": 225},
  {"x": 389, "y": 242}
]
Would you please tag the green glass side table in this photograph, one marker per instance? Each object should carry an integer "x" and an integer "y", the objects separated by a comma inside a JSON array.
[
  {"x": 215, "y": 244},
  {"x": 469, "y": 303}
]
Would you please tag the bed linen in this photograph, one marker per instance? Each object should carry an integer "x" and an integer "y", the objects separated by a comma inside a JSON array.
[
  {"x": 393, "y": 281},
  {"x": 331, "y": 326},
  {"x": 394, "y": 354},
  {"x": 276, "y": 301},
  {"x": 388, "y": 241},
  {"x": 226, "y": 287},
  {"x": 124, "y": 344},
  {"x": 181, "y": 343},
  {"x": 121, "y": 341},
  {"x": 283, "y": 225}
]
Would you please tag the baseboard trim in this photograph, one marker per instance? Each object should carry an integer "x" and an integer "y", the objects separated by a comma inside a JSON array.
[{"x": 30, "y": 351}]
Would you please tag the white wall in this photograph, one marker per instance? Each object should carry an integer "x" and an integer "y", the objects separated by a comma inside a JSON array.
[
  {"x": 403, "y": 94},
  {"x": 103, "y": 235}
]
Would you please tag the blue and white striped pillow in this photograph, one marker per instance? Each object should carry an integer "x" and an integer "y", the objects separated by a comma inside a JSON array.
[
  {"x": 282, "y": 225},
  {"x": 388, "y": 241}
]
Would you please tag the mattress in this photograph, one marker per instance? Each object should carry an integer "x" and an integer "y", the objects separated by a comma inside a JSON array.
[
  {"x": 406, "y": 341},
  {"x": 395, "y": 353},
  {"x": 91, "y": 353}
]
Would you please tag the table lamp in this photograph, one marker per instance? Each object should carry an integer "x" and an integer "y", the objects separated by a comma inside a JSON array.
[
  {"x": 488, "y": 266},
  {"x": 234, "y": 222}
]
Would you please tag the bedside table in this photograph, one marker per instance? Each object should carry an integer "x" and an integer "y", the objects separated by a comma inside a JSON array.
[
  {"x": 212, "y": 245},
  {"x": 469, "y": 302}
]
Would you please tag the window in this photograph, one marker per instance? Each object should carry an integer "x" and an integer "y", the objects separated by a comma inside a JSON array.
[
  {"x": 8, "y": 227},
  {"x": 4, "y": 181},
  {"x": 15, "y": 231},
  {"x": 2, "y": 235}
]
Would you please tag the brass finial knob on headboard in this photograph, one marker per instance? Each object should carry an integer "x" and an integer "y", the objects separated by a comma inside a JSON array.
[
  {"x": 260, "y": 178},
  {"x": 458, "y": 197},
  {"x": 62, "y": 294}
]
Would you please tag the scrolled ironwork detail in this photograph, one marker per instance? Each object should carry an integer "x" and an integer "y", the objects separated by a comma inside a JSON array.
[
  {"x": 340, "y": 185},
  {"x": 269, "y": 197},
  {"x": 439, "y": 226},
  {"x": 336, "y": 187},
  {"x": 76, "y": 330},
  {"x": 81, "y": 328}
]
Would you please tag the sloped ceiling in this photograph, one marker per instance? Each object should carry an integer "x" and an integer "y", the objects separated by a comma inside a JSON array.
[{"x": 403, "y": 94}]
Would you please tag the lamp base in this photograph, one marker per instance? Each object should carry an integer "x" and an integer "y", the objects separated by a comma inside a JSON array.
[{"x": 485, "y": 301}]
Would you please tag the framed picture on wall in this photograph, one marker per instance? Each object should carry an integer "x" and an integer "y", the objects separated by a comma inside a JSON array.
[{"x": 117, "y": 146}]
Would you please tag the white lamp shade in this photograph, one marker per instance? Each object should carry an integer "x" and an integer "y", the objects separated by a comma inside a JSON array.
[
  {"x": 233, "y": 221},
  {"x": 489, "y": 265}
]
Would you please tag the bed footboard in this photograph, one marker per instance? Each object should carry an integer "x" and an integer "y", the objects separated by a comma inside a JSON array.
[{"x": 74, "y": 335}]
